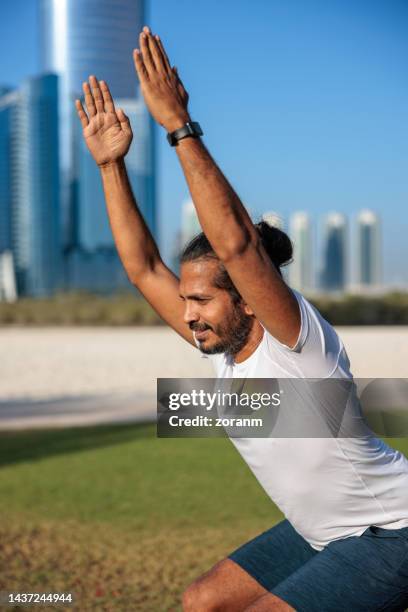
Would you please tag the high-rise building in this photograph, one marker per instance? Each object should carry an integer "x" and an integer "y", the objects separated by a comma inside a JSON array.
[
  {"x": 335, "y": 261},
  {"x": 83, "y": 37},
  {"x": 99, "y": 270},
  {"x": 79, "y": 38},
  {"x": 190, "y": 225},
  {"x": 273, "y": 218},
  {"x": 30, "y": 183},
  {"x": 36, "y": 195},
  {"x": 8, "y": 287},
  {"x": 368, "y": 246},
  {"x": 8, "y": 102},
  {"x": 189, "y": 228},
  {"x": 301, "y": 269}
]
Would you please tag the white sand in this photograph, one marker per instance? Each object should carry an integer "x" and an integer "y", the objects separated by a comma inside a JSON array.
[{"x": 50, "y": 363}]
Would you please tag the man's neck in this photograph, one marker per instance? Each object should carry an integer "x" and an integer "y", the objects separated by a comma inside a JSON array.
[{"x": 254, "y": 339}]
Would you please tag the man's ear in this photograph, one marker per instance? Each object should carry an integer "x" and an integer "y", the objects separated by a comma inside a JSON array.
[{"x": 248, "y": 311}]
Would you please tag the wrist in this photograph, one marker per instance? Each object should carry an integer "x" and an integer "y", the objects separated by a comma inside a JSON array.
[
  {"x": 177, "y": 122},
  {"x": 114, "y": 163}
]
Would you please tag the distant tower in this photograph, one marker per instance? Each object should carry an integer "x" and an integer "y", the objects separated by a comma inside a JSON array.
[
  {"x": 8, "y": 104},
  {"x": 80, "y": 38},
  {"x": 83, "y": 37},
  {"x": 368, "y": 244},
  {"x": 190, "y": 225},
  {"x": 8, "y": 288},
  {"x": 334, "y": 273},
  {"x": 274, "y": 219},
  {"x": 30, "y": 182},
  {"x": 301, "y": 269}
]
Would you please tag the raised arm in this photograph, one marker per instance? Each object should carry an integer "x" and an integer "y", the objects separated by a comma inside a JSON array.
[
  {"x": 108, "y": 135},
  {"x": 222, "y": 215}
]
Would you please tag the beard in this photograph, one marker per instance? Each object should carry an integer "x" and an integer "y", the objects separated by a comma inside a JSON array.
[{"x": 232, "y": 335}]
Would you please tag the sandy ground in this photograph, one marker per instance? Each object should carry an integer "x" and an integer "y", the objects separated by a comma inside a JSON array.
[
  {"x": 60, "y": 369},
  {"x": 54, "y": 362}
]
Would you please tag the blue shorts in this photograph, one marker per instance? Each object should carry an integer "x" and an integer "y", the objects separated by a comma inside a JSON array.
[{"x": 366, "y": 573}]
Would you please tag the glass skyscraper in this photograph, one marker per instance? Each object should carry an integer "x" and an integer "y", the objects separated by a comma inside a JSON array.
[
  {"x": 190, "y": 225},
  {"x": 274, "y": 219},
  {"x": 368, "y": 243},
  {"x": 29, "y": 181},
  {"x": 301, "y": 269},
  {"x": 335, "y": 262},
  {"x": 79, "y": 38},
  {"x": 83, "y": 37},
  {"x": 7, "y": 111}
]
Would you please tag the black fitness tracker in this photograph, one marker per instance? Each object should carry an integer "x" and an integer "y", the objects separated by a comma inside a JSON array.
[{"x": 192, "y": 129}]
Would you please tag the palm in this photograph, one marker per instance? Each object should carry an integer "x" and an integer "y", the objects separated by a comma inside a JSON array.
[
  {"x": 106, "y": 129},
  {"x": 106, "y": 138}
]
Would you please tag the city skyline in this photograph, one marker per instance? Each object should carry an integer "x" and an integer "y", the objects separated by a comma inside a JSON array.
[
  {"x": 333, "y": 108},
  {"x": 332, "y": 253}
]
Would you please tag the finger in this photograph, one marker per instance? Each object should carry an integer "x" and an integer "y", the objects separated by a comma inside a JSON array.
[
  {"x": 180, "y": 86},
  {"x": 139, "y": 65},
  {"x": 180, "y": 82},
  {"x": 120, "y": 113},
  {"x": 147, "y": 56},
  {"x": 97, "y": 94},
  {"x": 81, "y": 113},
  {"x": 156, "y": 53},
  {"x": 107, "y": 98},
  {"x": 89, "y": 101},
  {"x": 123, "y": 120},
  {"x": 178, "y": 76},
  {"x": 164, "y": 54}
]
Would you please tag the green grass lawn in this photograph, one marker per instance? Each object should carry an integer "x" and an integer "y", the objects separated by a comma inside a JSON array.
[{"x": 120, "y": 518}]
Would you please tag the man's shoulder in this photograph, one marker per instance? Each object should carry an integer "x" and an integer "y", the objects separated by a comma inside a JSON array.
[{"x": 318, "y": 351}]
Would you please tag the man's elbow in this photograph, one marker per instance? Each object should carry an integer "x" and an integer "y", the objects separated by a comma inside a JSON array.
[{"x": 236, "y": 249}]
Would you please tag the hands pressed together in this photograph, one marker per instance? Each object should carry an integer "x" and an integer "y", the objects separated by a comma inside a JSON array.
[
  {"x": 161, "y": 86},
  {"x": 106, "y": 129}
]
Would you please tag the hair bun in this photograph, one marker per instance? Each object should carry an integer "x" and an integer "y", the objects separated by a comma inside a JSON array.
[{"x": 277, "y": 244}]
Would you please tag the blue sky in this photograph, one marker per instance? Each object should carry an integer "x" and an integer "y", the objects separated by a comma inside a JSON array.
[{"x": 304, "y": 105}]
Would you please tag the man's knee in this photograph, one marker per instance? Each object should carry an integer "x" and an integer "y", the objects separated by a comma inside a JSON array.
[
  {"x": 226, "y": 586},
  {"x": 204, "y": 594},
  {"x": 198, "y": 598}
]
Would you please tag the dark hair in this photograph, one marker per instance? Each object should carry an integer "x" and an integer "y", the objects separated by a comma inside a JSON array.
[{"x": 275, "y": 242}]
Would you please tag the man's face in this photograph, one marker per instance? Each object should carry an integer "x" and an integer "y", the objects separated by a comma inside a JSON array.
[{"x": 218, "y": 324}]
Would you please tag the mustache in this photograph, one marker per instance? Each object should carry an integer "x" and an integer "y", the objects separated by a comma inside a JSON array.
[{"x": 199, "y": 327}]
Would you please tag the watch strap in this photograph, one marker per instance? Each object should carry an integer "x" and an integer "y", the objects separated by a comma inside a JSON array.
[{"x": 191, "y": 129}]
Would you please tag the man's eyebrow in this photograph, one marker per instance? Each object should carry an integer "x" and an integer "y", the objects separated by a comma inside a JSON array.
[{"x": 195, "y": 296}]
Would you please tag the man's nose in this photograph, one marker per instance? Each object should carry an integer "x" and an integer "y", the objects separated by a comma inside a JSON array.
[{"x": 191, "y": 313}]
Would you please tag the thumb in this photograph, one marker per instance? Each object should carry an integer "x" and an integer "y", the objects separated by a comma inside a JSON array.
[{"x": 124, "y": 121}]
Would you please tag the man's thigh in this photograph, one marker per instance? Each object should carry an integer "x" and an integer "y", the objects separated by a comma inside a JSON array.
[
  {"x": 368, "y": 572},
  {"x": 251, "y": 571},
  {"x": 274, "y": 555}
]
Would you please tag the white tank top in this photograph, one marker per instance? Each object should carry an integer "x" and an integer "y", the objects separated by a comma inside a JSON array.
[{"x": 329, "y": 487}]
